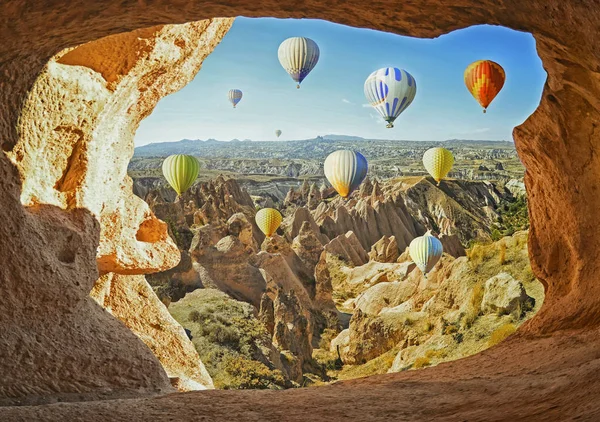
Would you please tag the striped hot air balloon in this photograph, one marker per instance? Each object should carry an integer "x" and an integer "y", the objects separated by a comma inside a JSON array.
[
  {"x": 268, "y": 220},
  {"x": 345, "y": 170},
  {"x": 180, "y": 171},
  {"x": 390, "y": 91},
  {"x": 438, "y": 162},
  {"x": 425, "y": 251},
  {"x": 298, "y": 56},
  {"x": 484, "y": 80},
  {"x": 234, "y": 95}
]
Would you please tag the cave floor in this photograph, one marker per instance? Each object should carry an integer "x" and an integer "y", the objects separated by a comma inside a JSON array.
[{"x": 549, "y": 378}]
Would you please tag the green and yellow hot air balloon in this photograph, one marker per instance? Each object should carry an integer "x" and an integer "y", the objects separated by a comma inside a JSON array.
[
  {"x": 180, "y": 171},
  {"x": 425, "y": 251},
  {"x": 268, "y": 220},
  {"x": 438, "y": 162}
]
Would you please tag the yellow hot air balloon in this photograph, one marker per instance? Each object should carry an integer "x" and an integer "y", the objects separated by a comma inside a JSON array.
[
  {"x": 180, "y": 171},
  {"x": 268, "y": 220},
  {"x": 425, "y": 251},
  {"x": 484, "y": 80},
  {"x": 438, "y": 162}
]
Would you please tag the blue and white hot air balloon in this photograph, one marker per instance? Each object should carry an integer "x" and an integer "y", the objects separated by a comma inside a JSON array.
[
  {"x": 345, "y": 170},
  {"x": 234, "y": 95},
  {"x": 425, "y": 251},
  {"x": 390, "y": 91},
  {"x": 298, "y": 56}
]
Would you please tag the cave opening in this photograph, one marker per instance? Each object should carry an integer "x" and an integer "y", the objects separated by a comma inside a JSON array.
[
  {"x": 556, "y": 248},
  {"x": 322, "y": 313}
]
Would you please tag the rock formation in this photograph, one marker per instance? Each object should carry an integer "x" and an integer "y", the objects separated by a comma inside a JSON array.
[
  {"x": 385, "y": 250},
  {"x": 131, "y": 300},
  {"x": 72, "y": 153}
]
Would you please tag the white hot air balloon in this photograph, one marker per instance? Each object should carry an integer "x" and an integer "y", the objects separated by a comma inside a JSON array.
[
  {"x": 234, "y": 95},
  {"x": 390, "y": 91},
  {"x": 345, "y": 170},
  {"x": 425, "y": 251},
  {"x": 298, "y": 56}
]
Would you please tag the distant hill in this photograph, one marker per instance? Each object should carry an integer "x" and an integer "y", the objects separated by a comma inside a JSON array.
[
  {"x": 343, "y": 138},
  {"x": 313, "y": 148}
]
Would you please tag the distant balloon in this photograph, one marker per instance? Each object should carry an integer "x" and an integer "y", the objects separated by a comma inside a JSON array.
[
  {"x": 425, "y": 251},
  {"x": 390, "y": 91},
  {"x": 438, "y": 162},
  {"x": 345, "y": 170},
  {"x": 180, "y": 171},
  {"x": 484, "y": 80},
  {"x": 234, "y": 95},
  {"x": 268, "y": 220},
  {"x": 298, "y": 56},
  {"x": 278, "y": 133}
]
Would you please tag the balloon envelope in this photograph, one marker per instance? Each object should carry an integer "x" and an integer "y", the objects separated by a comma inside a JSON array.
[
  {"x": 484, "y": 80},
  {"x": 438, "y": 162},
  {"x": 390, "y": 91},
  {"x": 180, "y": 171},
  {"x": 268, "y": 220},
  {"x": 234, "y": 95},
  {"x": 345, "y": 170},
  {"x": 298, "y": 56},
  {"x": 278, "y": 133},
  {"x": 425, "y": 251}
]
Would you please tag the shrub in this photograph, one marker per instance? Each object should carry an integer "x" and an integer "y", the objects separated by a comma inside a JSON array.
[
  {"x": 326, "y": 337},
  {"x": 476, "y": 255},
  {"x": 450, "y": 329},
  {"x": 501, "y": 333},
  {"x": 250, "y": 374},
  {"x": 421, "y": 362},
  {"x": 474, "y": 306},
  {"x": 436, "y": 353},
  {"x": 428, "y": 326},
  {"x": 502, "y": 253}
]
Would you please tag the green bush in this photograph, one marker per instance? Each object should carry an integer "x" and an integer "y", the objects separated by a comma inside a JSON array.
[{"x": 250, "y": 374}]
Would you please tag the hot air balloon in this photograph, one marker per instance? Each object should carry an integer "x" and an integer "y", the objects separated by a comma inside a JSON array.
[
  {"x": 425, "y": 251},
  {"x": 484, "y": 79},
  {"x": 278, "y": 133},
  {"x": 438, "y": 162},
  {"x": 234, "y": 95},
  {"x": 345, "y": 170},
  {"x": 298, "y": 56},
  {"x": 390, "y": 91},
  {"x": 268, "y": 220},
  {"x": 180, "y": 171}
]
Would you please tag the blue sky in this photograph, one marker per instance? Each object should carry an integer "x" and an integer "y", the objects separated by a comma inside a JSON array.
[{"x": 331, "y": 99}]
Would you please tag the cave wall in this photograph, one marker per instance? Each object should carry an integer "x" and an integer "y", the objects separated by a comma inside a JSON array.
[
  {"x": 75, "y": 142},
  {"x": 48, "y": 242}
]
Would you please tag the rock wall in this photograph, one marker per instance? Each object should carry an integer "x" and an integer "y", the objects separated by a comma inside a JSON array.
[
  {"x": 74, "y": 142},
  {"x": 47, "y": 256}
]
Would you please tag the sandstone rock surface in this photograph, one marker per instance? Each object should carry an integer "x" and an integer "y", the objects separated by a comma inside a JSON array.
[
  {"x": 131, "y": 300},
  {"x": 503, "y": 294}
]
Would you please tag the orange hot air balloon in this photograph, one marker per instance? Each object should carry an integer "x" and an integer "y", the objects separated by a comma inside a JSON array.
[{"x": 484, "y": 79}]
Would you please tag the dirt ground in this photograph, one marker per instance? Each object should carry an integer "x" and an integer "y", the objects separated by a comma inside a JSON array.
[{"x": 534, "y": 379}]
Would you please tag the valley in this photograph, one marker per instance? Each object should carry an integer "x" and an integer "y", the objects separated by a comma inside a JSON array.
[{"x": 333, "y": 294}]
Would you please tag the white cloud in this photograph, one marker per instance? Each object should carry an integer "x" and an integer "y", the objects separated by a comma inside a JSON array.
[
  {"x": 347, "y": 101},
  {"x": 469, "y": 131},
  {"x": 366, "y": 105}
]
